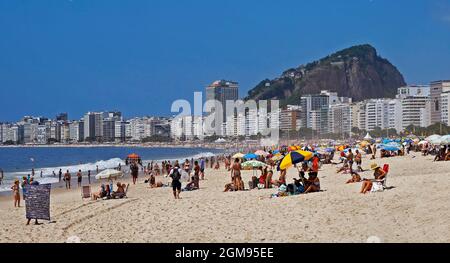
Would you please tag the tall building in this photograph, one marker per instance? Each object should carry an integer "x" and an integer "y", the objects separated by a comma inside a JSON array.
[
  {"x": 290, "y": 118},
  {"x": 436, "y": 90},
  {"x": 416, "y": 111},
  {"x": 62, "y": 117},
  {"x": 445, "y": 108},
  {"x": 377, "y": 114},
  {"x": 222, "y": 91},
  {"x": 93, "y": 126},
  {"x": 340, "y": 119},
  {"x": 395, "y": 115}
]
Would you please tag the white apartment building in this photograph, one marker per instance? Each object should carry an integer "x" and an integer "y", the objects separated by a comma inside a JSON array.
[
  {"x": 445, "y": 108},
  {"x": 377, "y": 114},
  {"x": 395, "y": 115},
  {"x": 340, "y": 119},
  {"x": 416, "y": 111}
]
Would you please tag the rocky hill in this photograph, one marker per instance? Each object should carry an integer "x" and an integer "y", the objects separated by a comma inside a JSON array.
[{"x": 357, "y": 72}]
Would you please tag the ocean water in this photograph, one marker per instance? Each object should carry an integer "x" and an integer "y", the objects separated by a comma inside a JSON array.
[{"x": 18, "y": 162}]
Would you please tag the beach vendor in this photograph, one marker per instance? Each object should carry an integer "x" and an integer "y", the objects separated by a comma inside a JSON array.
[{"x": 175, "y": 174}]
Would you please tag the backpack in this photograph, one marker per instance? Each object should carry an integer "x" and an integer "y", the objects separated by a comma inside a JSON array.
[{"x": 176, "y": 175}]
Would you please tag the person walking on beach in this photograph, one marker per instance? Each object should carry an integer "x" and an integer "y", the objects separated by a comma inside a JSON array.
[
  {"x": 67, "y": 178},
  {"x": 89, "y": 176},
  {"x": 32, "y": 172},
  {"x": 176, "y": 184},
  {"x": 16, "y": 193},
  {"x": 202, "y": 168},
  {"x": 134, "y": 171},
  {"x": 79, "y": 178},
  {"x": 350, "y": 157},
  {"x": 60, "y": 174},
  {"x": 97, "y": 169}
]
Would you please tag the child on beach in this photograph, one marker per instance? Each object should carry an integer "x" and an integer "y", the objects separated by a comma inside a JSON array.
[{"x": 16, "y": 193}]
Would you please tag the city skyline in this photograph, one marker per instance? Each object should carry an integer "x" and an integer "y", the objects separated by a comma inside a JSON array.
[{"x": 130, "y": 56}]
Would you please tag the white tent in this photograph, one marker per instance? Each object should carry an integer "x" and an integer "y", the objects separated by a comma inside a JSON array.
[
  {"x": 109, "y": 174},
  {"x": 221, "y": 140},
  {"x": 368, "y": 137}
]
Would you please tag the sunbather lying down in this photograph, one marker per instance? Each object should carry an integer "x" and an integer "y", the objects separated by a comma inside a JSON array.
[{"x": 231, "y": 187}]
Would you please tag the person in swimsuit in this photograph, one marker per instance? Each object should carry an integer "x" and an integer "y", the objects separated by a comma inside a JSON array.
[
  {"x": 282, "y": 179},
  {"x": 16, "y": 193},
  {"x": 313, "y": 184},
  {"x": 196, "y": 175},
  {"x": 176, "y": 184},
  {"x": 67, "y": 178},
  {"x": 236, "y": 175},
  {"x": 378, "y": 173},
  {"x": 134, "y": 171},
  {"x": 79, "y": 178},
  {"x": 358, "y": 160}
]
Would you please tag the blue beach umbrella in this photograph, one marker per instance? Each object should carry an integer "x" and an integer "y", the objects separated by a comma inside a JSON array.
[{"x": 250, "y": 156}]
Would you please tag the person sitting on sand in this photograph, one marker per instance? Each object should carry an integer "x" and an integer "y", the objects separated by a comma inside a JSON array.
[
  {"x": 378, "y": 173},
  {"x": 100, "y": 194},
  {"x": 269, "y": 179},
  {"x": 356, "y": 178},
  {"x": 312, "y": 184},
  {"x": 282, "y": 179},
  {"x": 120, "y": 193},
  {"x": 262, "y": 178}
]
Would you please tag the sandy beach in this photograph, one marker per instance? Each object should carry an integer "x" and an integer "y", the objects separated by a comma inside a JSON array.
[{"x": 417, "y": 209}]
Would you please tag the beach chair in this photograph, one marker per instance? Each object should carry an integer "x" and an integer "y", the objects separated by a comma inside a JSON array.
[{"x": 85, "y": 192}]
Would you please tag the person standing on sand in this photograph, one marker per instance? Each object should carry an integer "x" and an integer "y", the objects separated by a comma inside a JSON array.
[
  {"x": 32, "y": 172},
  {"x": 60, "y": 174},
  {"x": 97, "y": 169},
  {"x": 79, "y": 178},
  {"x": 134, "y": 171},
  {"x": 196, "y": 175},
  {"x": 16, "y": 193},
  {"x": 202, "y": 168},
  {"x": 236, "y": 175},
  {"x": 89, "y": 176},
  {"x": 67, "y": 178},
  {"x": 176, "y": 184}
]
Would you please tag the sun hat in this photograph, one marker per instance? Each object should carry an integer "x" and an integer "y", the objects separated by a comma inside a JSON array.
[{"x": 374, "y": 166}]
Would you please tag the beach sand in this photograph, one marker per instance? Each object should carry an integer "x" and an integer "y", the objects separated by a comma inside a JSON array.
[{"x": 416, "y": 210}]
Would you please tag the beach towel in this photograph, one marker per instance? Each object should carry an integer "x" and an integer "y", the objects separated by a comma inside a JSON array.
[{"x": 377, "y": 187}]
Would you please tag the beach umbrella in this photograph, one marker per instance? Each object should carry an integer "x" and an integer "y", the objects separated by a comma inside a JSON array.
[
  {"x": 250, "y": 156},
  {"x": 390, "y": 148},
  {"x": 277, "y": 157},
  {"x": 276, "y": 151},
  {"x": 445, "y": 140},
  {"x": 432, "y": 137},
  {"x": 294, "y": 158},
  {"x": 261, "y": 153},
  {"x": 109, "y": 174},
  {"x": 253, "y": 164},
  {"x": 238, "y": 156},
  {"x": 435, "y": 140},
  {"x": 364, "y": 143},
  {"x": 422, "y": 142}
]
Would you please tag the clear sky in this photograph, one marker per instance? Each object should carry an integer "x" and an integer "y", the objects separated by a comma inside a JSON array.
[{"x": 139, "y": 56}]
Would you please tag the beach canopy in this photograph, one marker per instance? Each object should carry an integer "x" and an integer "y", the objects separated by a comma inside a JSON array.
[
  {"x": 368, "y": 137},
  {"x": 221, "y": 140},
  {"x": 252, "y": 164},
  {"x": 238, "y": 156},
  {"x": 109, "y": 174},
  {"x": 133, "y": 156},
  {"x": 261, "y": 153},
  {"x": 295, "y": 157},
  {"x": 250, "y": 156}
]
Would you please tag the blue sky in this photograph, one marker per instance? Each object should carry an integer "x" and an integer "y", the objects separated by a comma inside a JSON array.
[{"x": 139, "y": 56}]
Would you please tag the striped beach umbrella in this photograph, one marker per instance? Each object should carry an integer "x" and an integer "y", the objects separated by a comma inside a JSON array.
[{"x": 294, "y": 158}]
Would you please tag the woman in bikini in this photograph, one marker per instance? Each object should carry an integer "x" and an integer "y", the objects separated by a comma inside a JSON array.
[
  {"x": 16, "y": 193},
  {"x": 378, "y": 173}
]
